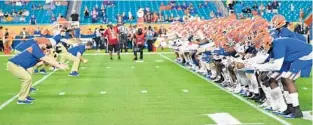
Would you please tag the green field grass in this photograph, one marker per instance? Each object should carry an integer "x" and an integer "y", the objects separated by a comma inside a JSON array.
[{"x": 111, "y": 93}]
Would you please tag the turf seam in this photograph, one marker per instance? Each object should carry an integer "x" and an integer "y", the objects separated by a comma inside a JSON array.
[
  {"x": 6, "y": 103},
  {"x": 237, "y": 96}
]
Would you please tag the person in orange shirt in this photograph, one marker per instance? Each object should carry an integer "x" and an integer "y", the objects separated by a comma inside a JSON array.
[{"x": 155, "y": 17}]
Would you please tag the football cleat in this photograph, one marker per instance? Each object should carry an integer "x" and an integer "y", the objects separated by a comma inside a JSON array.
[
  {"x": 43, "y": 71},
  {"x": 32, "y": 90},
  {"x": 74, "y": 73},
  {"x": 30, "y": 98},
  {"x": 24, "y": 102},
  {"x": 36, "y": 71},
  {"x": 297, "y": 113}
]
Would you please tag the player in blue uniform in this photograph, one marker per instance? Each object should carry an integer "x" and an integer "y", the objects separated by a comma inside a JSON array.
[
  {"x": 279, "y": 22},
  {"x": 21, "y": 65},
  {"x": 75, "y": 55},
  {"x": 293, "y": 58}
]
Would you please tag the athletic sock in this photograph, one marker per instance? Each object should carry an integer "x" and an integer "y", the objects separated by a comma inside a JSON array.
[
  {"x": 287, "y": 97},
  {"x": 279, "y": 100},
  {"x": 294, "y": 99}
]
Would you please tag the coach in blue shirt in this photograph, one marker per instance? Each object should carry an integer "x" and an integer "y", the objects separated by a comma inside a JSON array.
[{"x": 21, "y": 67}]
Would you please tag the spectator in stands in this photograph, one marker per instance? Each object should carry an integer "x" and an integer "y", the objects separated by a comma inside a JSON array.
[
  {"x": 212, "y": 15},
  {"x": 130, "y": 16},
  {"x": 119, "y": 18},
  {"x": 200, "y": 5},
  {"x": 301, "y": 14},
  {"x": 171, "y": 18},
  {"x": 37, "y": 32},
  {"x": 25, "y": 13},
  {"x": 147, "y": 18},
  {"x": 161, "y": 17},
  {"x": 147, "y": 9},
  {"x": 33, "y": 20},
  {"x": 125, "y": 18},
  {"x": 24, "y": 34},
  {"x": 102, "y": 10},
  {"x": 162, "y": 7},
  {"x": 292, "y": 7},
  {"x": 262, "y": 9},
  {"x": 22, "y": 19},
  {"x": 184, "y": 6},
  {"x": 86, "y": 12},
  {"x": 94, "y": 15},
  {"x": 75, "y": 16},
  {"x": 268, "y": 8},
  {"x": 105, "y": 19},
  {"x": 206, "y": 4},
  {"x": 166, "y": 19},
  {"x": 155, "y": 17},
  {"x": 275, "y": 6},
  {"x": 53, "y": 19}
]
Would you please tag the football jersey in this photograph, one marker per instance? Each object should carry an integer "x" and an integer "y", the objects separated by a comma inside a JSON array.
[
  {"x": 29, "y": 57},
  {"x": 24, "y": 45},
  {"x": 291, "y": 49},
  {"x": 74, "y": 50}
]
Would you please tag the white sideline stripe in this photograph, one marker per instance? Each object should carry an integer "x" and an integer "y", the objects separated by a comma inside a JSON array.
[
  {"x": 240, "y": 124},
  {"x": 103, "y": 92},
  {"x": 237, "y": 96},
  {"x": 224, "y": 119},
  {"x": 36, "y": 83}
]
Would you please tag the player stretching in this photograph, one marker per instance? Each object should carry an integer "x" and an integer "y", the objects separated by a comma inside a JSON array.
[
  {"x": 76, "y": 56},
  {"x": 20, "y": 66}
]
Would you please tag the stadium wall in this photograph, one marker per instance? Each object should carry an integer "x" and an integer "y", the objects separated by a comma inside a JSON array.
[{"x": 15, "y": 29}]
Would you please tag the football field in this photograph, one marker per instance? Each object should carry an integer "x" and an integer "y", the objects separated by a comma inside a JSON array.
[{"x": 123, "y": 92}]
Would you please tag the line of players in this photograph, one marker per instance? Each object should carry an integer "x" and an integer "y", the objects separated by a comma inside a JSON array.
[
  {"x": 258, "y": 59},
  {"x": 35, "y": 54}
]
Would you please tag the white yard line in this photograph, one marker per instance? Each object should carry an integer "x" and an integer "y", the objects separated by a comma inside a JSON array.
[
  {"x": 224, "y": 119},
  {"x": 3, "y": 105},
  {"x": 237, "y": 96}
]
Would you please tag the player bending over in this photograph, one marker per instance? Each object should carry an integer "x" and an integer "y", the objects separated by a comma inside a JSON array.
[{"x": 21, "y": 67}]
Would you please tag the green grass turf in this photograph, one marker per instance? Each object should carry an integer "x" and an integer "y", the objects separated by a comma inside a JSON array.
[{"x": 164, "y": 104}]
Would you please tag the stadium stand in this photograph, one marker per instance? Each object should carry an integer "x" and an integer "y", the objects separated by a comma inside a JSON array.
[
  {"x": 42, "y": 11},
  {"x": 289, "y": 9}
]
